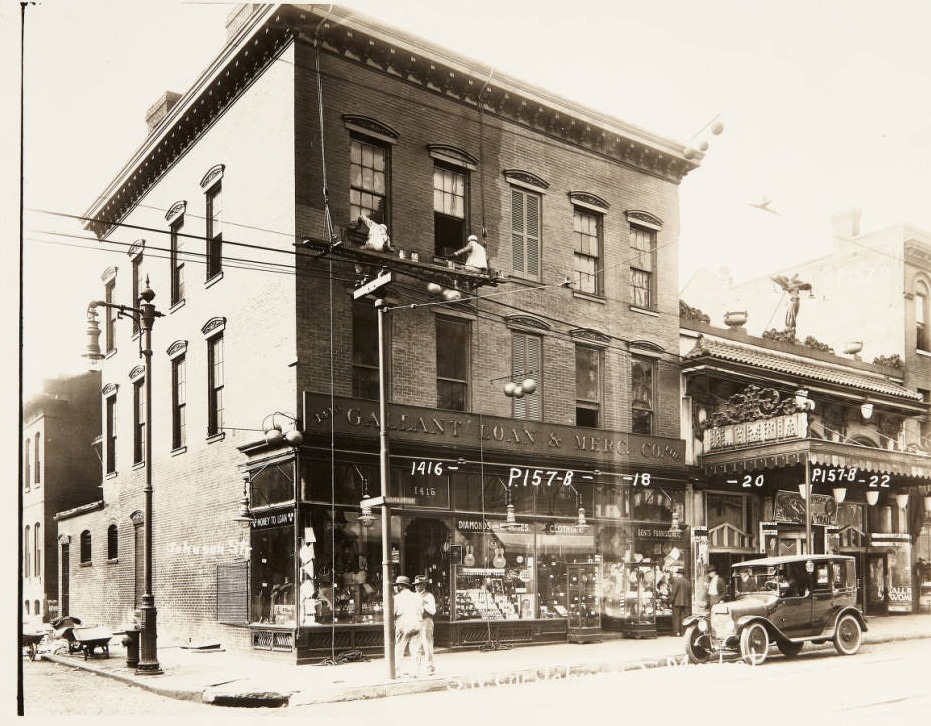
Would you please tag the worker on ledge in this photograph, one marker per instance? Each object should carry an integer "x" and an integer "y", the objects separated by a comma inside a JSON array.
[{"x": 478, "y": 255}]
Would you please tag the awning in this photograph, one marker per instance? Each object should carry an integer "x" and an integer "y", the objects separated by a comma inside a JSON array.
[{"x": 777, "y": 455}]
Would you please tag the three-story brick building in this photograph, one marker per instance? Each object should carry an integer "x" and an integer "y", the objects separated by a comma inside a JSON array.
[{"x": 257, "y": 208}]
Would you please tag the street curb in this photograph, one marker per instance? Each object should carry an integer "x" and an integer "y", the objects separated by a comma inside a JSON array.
[{"x": 534, "y": 674}]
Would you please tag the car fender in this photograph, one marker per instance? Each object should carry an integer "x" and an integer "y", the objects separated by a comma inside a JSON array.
[
  {"x": 774, "y": 633},
  {"x": 693, "y": 619},
  {"x": 851, "y": 611}
]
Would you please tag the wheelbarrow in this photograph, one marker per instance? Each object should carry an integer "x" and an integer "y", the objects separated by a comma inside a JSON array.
[
  {"x": 30, "y": 641},
  {"x": 88, "y": 639}
]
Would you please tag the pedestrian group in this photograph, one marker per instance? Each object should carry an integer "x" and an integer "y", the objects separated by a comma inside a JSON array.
[{"x": 413, "y": 625}]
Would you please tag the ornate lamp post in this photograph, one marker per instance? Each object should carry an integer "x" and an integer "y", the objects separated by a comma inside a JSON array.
[{"x": 146, "y": 312}]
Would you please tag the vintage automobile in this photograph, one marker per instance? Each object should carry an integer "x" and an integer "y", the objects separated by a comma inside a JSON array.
[{"x": 786, "y": 601}]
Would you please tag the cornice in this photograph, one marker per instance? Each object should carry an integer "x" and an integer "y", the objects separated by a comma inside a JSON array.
[{"x": 347, "y": 34}]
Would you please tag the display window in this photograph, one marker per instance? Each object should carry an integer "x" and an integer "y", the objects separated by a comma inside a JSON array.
[{"x": 272, "y": 573}]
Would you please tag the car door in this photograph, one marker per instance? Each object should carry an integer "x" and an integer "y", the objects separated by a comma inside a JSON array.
[
  {"x": 822, "y": 597},
  {"x": 793, "y": 612}
]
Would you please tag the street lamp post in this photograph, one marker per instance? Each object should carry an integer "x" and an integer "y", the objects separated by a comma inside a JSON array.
[{"x": 146, "y": 312}]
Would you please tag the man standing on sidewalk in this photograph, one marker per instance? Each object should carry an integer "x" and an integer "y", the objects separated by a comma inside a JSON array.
[
  {"x": 408, "y": 616},
  {"x": 679, "y": 599},
  {"x": 426, "y": 630}
]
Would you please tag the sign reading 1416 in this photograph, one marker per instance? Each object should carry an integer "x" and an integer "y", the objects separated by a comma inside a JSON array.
[{"x": 427, "y": 468}]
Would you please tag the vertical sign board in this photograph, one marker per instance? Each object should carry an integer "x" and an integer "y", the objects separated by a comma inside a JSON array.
[{"x": 899, "y": 549}]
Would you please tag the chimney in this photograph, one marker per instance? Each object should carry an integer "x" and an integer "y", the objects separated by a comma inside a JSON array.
[
  {"x": 846, "y": 224},
  {"x": 160, "y": 109}
]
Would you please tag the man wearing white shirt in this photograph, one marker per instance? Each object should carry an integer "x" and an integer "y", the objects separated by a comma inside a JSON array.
[{"x": 426, "y": 630}]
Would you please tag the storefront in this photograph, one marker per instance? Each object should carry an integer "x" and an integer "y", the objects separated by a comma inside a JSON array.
[{"x": 528, "y": 532}]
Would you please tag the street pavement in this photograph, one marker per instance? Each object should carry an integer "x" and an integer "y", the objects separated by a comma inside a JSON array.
[{"x": 242, "y": 679}]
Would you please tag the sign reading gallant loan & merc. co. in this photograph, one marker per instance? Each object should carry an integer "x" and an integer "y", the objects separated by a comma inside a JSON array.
[{"x": 349, "y": 416}]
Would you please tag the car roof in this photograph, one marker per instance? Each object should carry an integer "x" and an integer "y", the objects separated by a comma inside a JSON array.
[{"x": 772, "y": 561}]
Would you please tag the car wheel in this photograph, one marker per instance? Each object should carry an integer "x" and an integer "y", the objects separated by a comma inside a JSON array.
[
  {"x": 754, "y": 644},
  {"x": 848, "y": 636},
  {"x": 696, "y": 645},
  {"x": 789, "y": 649}
]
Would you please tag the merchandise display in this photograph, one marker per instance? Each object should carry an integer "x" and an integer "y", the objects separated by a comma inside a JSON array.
[{"x": 584, "y": 601}]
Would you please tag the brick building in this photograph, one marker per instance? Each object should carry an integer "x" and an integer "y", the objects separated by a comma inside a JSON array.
[
  {"x": 60, "y": 472},
  {"x": 512, "y": 501}
]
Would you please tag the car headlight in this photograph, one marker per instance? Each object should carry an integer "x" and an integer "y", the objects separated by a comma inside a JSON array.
[{"x": 703, "y": 626}]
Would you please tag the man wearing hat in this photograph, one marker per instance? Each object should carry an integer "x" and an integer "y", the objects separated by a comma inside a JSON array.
[
  {"x": 478, "y": 256},
  {"x": 679, "y": 599},
  {"x": 426, "y": 629},
  {"x": 716, "y": 587},
  {"x": 408, "y": 617}
]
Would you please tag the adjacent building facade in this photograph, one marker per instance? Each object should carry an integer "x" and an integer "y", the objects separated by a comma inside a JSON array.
[
  {"x": 529, "y": 408},
  {"x": 803, "y": 451},
  {"x": 60, "y": 471}
]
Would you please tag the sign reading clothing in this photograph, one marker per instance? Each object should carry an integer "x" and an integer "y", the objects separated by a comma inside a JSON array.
[{"x": 349, "y": 416}]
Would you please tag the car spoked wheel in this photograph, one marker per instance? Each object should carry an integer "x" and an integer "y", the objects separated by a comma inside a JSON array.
[
  {"x": 754, "y": 644},
  {"x": 848, "y": 636},
  {"x": 697, "y": 645}
]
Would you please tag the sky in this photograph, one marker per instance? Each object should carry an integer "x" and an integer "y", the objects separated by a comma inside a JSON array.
[{"x": 825, "y": 106}]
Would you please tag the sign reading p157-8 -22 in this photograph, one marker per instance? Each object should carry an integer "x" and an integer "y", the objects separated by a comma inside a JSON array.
[{"x": 848, "y": 475}]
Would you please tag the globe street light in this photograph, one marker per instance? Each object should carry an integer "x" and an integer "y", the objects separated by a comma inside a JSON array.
[{"x": 146, "y": 314}]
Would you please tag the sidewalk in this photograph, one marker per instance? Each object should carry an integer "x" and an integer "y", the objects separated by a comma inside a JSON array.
[{"x": 236, "y": 679}]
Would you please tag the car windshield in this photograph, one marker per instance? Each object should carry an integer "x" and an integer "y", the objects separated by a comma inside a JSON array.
[{"x": 755, "y": 579}]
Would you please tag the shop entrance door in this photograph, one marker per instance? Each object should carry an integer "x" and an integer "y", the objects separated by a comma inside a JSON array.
[{"x": 874, "y": 584}]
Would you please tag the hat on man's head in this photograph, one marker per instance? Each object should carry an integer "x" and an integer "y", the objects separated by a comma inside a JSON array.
[
  {"x": 712, "y": 568},
  {"x": 472, "y": 238},
  {"x": 421, "y": 580},
  {"x": 402, "y": 580}
]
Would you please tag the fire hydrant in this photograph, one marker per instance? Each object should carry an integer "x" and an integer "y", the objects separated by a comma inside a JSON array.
[{"x": 130, "y": 641}]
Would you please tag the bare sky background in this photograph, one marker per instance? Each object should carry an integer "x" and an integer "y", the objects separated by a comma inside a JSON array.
[{"x": 826, "y": 106}]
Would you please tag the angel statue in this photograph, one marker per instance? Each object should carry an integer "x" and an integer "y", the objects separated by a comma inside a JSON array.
[{"x": 791, "y": 286}]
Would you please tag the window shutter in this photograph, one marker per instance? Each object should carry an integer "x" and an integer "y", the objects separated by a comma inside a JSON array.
[
  {"x": 533, "y": 236},
  {"x": 526, "y": 360},
  {"x": 517, "y": 229},
  {"x": 233, "y": 593}
]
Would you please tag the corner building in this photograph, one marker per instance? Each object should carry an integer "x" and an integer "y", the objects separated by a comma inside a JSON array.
[{"x": 532, "y": 515}]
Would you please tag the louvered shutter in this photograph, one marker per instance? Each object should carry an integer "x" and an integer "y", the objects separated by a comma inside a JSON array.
[
  {"x": 525, "y": 232},
  {"x": 526, "y": 361}
]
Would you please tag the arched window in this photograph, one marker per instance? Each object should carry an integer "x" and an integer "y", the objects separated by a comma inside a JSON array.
[
  {"x": 27, "y": 551},
  {"x": 85, "y": 546},
  {"x": 113, "y": 543},
  {"x": 27, "y": 465},
  {"x": 38, "y": 549},
  {"x": 922, "y": 321},
  {"x": 38, "y": 458}
]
